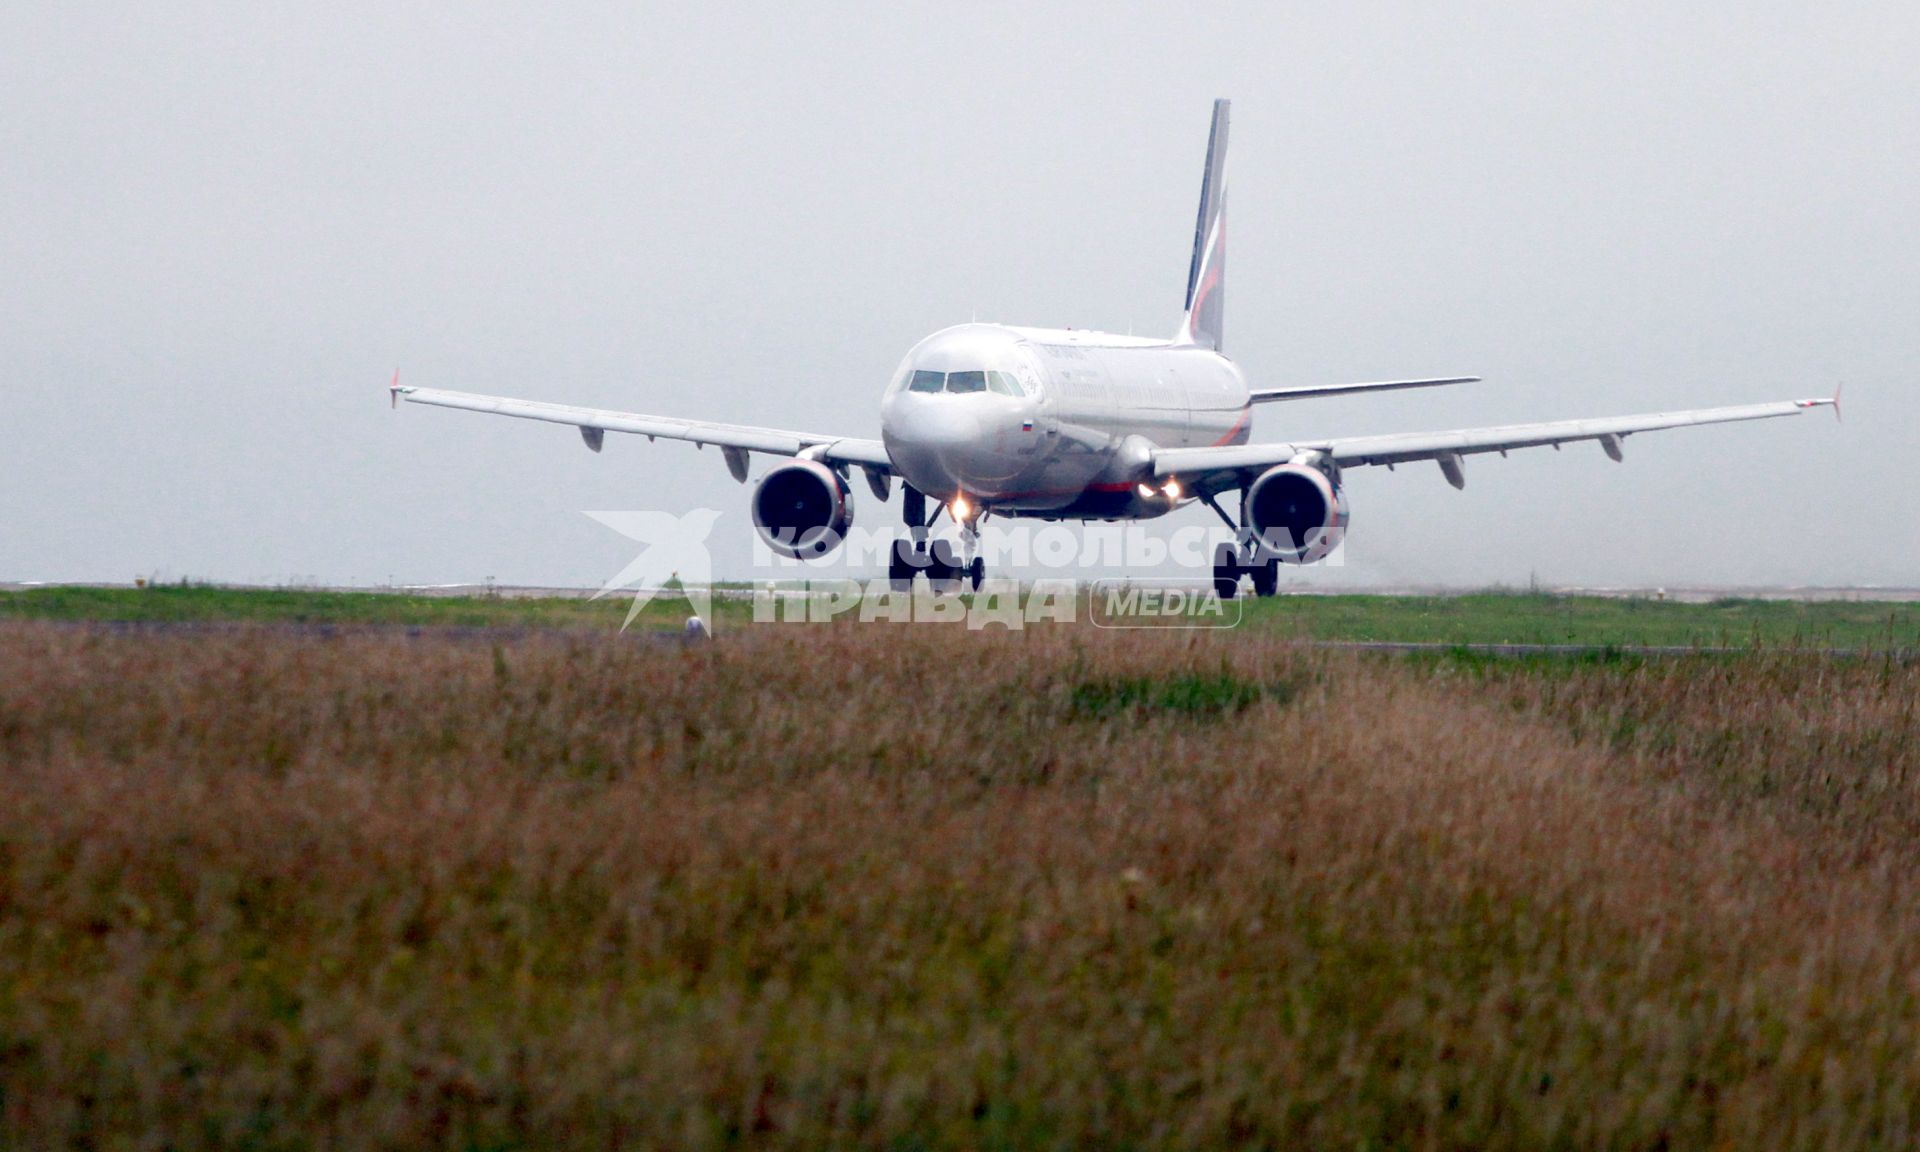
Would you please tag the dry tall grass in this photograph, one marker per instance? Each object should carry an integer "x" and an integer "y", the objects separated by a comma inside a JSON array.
[{"x": 914, "y": 887}]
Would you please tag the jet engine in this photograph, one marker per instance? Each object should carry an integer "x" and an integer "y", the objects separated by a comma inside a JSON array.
[
  {"x": 1298, "y": 511},
  {"x": 802, "y": 509}
]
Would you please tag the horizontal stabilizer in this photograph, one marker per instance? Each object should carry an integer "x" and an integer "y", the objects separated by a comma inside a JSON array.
[{"x": 1312, "y": 391}]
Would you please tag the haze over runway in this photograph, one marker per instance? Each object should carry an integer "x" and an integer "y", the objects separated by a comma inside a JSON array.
[{"x": 226, "y": 226}]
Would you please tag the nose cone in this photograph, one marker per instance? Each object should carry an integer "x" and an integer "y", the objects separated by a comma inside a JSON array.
[
  {"x": 932, "y": 440},
  {"x": 936, "y": 422},
  {"x": 956, "y": 419}
]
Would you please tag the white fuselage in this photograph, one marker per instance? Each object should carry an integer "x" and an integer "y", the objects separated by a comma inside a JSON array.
[{"x": 1057, "y": 423}]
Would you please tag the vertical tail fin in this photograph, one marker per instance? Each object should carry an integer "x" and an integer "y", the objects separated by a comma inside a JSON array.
[{"x": 1207, "y": 275}]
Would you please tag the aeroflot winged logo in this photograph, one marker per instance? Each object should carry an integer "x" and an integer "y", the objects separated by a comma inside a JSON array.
[{"x": 676, "y": 547}]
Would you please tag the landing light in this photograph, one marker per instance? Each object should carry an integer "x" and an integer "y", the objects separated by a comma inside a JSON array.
[
  {"x": 960, "y": 508},
  {"x": 1146, "y": 492},
  {"x": 1172, "y": 489}
]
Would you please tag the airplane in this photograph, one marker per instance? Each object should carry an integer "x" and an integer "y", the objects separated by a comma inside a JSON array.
[{"x": 985, "y": 420}]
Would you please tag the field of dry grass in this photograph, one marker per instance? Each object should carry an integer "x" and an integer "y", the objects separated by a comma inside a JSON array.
[{"x": 915, "y": 888}]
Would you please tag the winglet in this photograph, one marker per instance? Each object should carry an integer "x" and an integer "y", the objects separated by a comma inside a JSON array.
[
  {"x": 396, "y": 389},
  {"x": 1832, "y": 402}
]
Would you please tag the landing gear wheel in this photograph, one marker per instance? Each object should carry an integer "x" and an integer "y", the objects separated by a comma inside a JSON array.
[
  {"x": 977, "y": 572},
  {"x": 944, "y": 570},
  {"x": 902, "y": 565},
  {"x": 1226, "y": 571},
  {"x": 1266, "y": 578}
]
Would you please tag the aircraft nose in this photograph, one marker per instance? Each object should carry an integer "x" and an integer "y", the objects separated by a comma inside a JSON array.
[
  {"x": 931, "y": 438},
  {"x": 942, "y": 426}
]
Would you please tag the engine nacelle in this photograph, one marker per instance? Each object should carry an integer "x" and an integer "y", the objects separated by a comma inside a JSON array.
[
  {"x": 802, "y": 509},
  {"x": 1297, "y": 511}
]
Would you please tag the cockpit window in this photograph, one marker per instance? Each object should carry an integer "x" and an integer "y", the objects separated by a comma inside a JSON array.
[
  {"x": 986, "y": 380},
  {"x": 1004, "y": 383}
]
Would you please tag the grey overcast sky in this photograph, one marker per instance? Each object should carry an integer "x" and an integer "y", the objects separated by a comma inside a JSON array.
[{"x": 223, "y": 225}]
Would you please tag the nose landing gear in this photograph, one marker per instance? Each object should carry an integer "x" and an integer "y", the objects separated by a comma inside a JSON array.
[{"x": 945, "y": 571}]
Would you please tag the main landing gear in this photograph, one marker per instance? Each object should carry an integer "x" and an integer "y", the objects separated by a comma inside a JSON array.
[
  {"x": 1232, "y": 561},
  {"x": 945, "y": 570},
  {"x": 1240, "y": 557}
]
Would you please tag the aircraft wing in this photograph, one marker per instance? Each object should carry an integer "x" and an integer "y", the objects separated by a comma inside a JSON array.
[
  {"x": 594, "y": 423},
  {"x": 1213, "y": 469}
]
